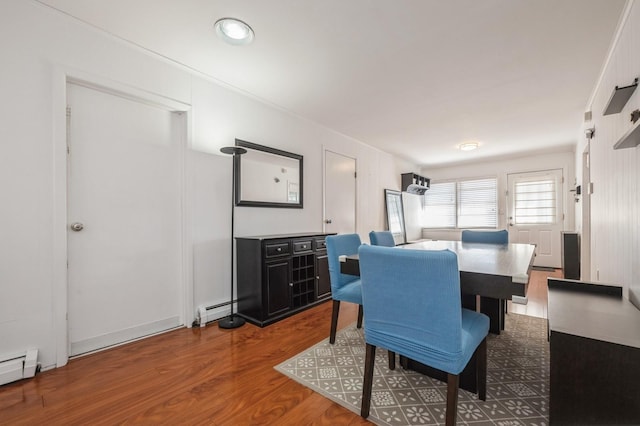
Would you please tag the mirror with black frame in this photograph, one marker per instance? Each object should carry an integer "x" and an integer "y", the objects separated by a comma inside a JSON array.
[
  {"x": 395, "y": 215},
  {"x": 268, "y": 177}
]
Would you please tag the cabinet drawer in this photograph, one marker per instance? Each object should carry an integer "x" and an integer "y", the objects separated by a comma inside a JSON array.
[
  {"x": 277, "y": 249},
  {"x": 321, "y": 244},
  {"x": 302, "y": 246}
]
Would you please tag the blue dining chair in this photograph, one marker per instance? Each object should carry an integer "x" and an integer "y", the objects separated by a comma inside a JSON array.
[
  {"x": 420, "y": 317},
  {"x": 487, "y": 237},
  {"x": 382, "y": 238},
  {"x": 344, "y": 288}
]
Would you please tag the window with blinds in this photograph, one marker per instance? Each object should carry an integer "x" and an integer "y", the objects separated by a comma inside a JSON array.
[
  {"x": 462, "y": 204},
  {"x": 440, "y": 206},
  {"x": 535, "y": 202}
]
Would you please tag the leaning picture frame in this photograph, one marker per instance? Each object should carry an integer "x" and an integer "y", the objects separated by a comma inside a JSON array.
[{"x": 395, "y": 215}]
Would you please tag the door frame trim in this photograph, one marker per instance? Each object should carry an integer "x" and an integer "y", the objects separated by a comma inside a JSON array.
[
  {"x": 585, "y": 212},
  {"x": 59, "y": 285}
]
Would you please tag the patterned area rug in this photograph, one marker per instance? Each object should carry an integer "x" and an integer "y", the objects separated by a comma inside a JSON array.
[{"x": 517, "y": 380}]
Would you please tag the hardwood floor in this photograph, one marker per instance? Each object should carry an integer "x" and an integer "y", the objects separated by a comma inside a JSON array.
[
  {"x": 187, "y": 376},
  {"x": 198, "y": 376},
  {"x": 537, "y": 295}
]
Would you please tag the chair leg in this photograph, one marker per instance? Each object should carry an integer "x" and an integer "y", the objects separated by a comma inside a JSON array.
[
  {"x": 404, "y": 362},
  {"x": 360, "y": 315},
  {"x": 392, "y": 360},
  {"x": 481, "y": 373},
  {"x": 453, "y": 381},
  {"x": 369, "y": 359},
  {"x": 334, "y": 321}
]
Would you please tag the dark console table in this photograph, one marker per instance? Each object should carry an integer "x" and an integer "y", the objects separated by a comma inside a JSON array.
[
  {"x": 594, "y": 335},
  {"x": 279, "y": 275}
]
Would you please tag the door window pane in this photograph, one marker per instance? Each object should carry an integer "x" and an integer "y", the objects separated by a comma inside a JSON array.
[{"x": 535, "y": 202}]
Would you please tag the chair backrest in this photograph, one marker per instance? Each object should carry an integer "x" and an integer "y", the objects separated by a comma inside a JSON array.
[
  {"x": 338, "y": 245},
  {"x": 487, "y": 237},
  {"x": 412, "y": 295},
  {"x": 382, "y": 238}
]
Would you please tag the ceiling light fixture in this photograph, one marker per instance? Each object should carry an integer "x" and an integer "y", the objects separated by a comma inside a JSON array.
[
  {"x": 468, "y": 146},
  {"x": 234, "y": 31}
]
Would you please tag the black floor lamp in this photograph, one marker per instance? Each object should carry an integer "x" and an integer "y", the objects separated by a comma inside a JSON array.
[{"x": 232, "y": 321}]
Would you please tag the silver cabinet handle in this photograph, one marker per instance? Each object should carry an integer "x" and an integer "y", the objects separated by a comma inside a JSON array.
[{"x": 77, "y": 226}]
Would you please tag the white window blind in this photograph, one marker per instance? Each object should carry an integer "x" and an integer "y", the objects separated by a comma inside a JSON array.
[
  {"x": 462, "y": 204},
  {"x": 440, "y": 206},
  {"x": 535, "y": 202},
  {"x": 478, "y": 203}
]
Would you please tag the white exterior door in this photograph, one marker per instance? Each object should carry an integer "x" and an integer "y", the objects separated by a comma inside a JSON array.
[
  {"x": 536, "y": 214},
  {"x": 339, "y": 193},
  {"x": 124, "y": 214}
]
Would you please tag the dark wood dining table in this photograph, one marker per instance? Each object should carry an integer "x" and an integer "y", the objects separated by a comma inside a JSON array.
[{"x": 493, "y": 272}]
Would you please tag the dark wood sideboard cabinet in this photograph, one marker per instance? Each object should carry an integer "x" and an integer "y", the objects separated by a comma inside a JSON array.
[
  {"x": 594, "y": 335},
  {"x": 279, "y": 275}
]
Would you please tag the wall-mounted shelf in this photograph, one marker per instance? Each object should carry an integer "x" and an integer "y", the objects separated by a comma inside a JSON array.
[
  {"x": 619, "y": 98},
  {"x": 630, "y": 139},
  {"x": 415, "y": 184}
]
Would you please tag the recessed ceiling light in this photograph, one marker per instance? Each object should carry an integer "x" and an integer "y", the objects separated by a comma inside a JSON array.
[
  {"x": 234, "y": 31},
  {"x": 468, "y": 146}
]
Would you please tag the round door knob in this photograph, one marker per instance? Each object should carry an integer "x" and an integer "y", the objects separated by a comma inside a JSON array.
[{"x": 77, "y": 226}]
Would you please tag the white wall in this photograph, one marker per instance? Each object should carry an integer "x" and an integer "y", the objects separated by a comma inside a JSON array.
[
  {"x": 500, "y": 169},
  {"x": 615, "y": 212},
  {"x": 35, "y": 42}
]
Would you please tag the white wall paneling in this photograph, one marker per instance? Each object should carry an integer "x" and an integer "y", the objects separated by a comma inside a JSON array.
[
  {"x": 41, "y": 47},
  {"x": 615, "y": 212}
]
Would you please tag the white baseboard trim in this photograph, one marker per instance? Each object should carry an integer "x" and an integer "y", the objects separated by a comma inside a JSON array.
[{"x": 123, "y": 336}]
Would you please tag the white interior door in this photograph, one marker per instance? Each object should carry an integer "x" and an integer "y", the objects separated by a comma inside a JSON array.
[
  {"x": 124, "y": 213},
  {"x": 339, "y": 193},
  {"x": 536, "y": 215}
]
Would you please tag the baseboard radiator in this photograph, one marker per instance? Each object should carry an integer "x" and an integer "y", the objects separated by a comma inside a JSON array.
[
  {"x": 519, "y": 299},
  {"x": 212, "y": 313},
  {"x": 20, "y": 367}
]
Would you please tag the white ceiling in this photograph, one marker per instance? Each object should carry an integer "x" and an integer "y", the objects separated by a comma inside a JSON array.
[{"x": 413, "y": 77}]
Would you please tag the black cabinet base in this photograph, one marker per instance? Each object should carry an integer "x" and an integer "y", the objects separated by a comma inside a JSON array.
[
  {"x": 259, "y": 323},
  {"x": 279, "y": 275},
  {"x": 595, "y": 348}
]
